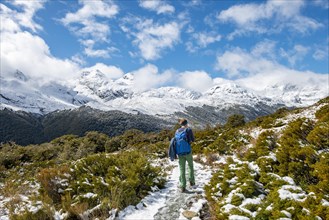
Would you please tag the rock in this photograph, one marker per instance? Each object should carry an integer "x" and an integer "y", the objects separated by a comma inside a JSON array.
[{"x": 189, "y": 214}]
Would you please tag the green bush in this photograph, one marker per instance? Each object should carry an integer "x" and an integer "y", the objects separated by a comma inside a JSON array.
[
  {"x": 322, "y": 113},
  {"x": 52, "y": 181},
  {"x": 265, "y": 143},
  {"x": 319, "y": 136},
  {"x": 124, "y": 178},
  {"x": 234, "y": 121}
]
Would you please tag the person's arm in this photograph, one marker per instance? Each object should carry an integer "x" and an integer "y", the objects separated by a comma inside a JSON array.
[{"x": 190, "y": 135}]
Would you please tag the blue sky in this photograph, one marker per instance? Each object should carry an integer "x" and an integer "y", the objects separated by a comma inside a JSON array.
[{"x": 202, "y": 38}]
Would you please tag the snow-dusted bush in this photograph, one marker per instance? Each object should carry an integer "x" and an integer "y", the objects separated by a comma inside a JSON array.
[{"x": 284, "y": 173}]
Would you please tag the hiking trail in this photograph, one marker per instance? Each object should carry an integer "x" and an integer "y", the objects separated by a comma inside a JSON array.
[{"x": 169, "y": 203}]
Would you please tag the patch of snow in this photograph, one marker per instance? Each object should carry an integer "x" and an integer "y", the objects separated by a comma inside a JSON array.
[
  {"x": 324, "y": 202},
  {"x": 287, "y": 214},
  {"x": 270, "y": 156},
  {"x": 227, "y": 208},
  {"x": 59, "y": 215},
  {"x": 269, "y": 208},
  {"x": 306, "y": 210},
  {"x": 4, "y": 212},
  {"x": 233, "y": 181},
  {"x": 229, "y": 197},
  {"x": 222, "y": 160},
  {"x": 103, "y": 182},
  {"x": 89, "y": 195},
  {"x": 275, "y": 175},
  {"x": 285, "y": 193},
  {"x": 288, "y": 180},
  {"x": 254, "y": 167},
  {"x": 255, "y": 201},
  {"x": 238, "y": 217},
  {"x": 255, "y": 133},
  {"x": 197, "y": 206}
]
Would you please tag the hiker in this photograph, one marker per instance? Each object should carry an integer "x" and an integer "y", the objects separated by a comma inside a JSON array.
[{"x": 181, "y": 145}]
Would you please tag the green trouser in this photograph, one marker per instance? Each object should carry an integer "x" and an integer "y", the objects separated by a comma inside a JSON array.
[{"x": 182, "y": 162}]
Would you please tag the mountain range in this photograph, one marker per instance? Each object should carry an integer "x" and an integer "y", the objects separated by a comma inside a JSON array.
[{"x": 122, "y": 96}]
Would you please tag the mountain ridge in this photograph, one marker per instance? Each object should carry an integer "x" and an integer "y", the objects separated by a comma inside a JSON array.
[
  {"x": 95, "y": 89},
  {"x": 71, "y": 104}
]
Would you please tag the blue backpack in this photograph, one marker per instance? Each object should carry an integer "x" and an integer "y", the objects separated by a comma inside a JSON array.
[{"x": 182, "y": 145}]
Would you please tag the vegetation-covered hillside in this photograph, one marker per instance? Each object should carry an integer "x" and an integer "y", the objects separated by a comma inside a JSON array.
[
  {"x": 27, "y": 128},
  {"x": 71, "y": 177},
  {"x": 276, "y": 166}
]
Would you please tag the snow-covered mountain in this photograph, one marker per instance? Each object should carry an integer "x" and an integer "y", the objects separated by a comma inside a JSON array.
[{"x": 94, "y": 89}]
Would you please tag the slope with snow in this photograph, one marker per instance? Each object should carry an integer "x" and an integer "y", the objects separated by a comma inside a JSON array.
[{"x": 94, "y": 89}]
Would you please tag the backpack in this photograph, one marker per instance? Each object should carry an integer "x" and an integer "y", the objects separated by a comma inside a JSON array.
[{"x": 182, "y": 145}]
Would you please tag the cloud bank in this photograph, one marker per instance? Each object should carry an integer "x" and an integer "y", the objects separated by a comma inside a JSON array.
[
  {"x": 26, "y": 51},
  {"x": 281, "y": 15}
]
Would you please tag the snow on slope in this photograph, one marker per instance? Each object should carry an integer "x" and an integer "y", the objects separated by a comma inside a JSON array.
[
  {"x": 21, "y": 93},
  {"x": 96, "y": 90},
  {"x": 168, "y": 203},
  {"x": 308, "y": 113},
  {"x": 292, "y": 89}
]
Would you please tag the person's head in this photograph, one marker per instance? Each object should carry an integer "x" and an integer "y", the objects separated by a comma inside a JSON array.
[{"x": 182, "y": 122}]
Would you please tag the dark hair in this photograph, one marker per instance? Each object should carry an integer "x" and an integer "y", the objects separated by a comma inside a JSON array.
[{"x": 183, "y": 121}]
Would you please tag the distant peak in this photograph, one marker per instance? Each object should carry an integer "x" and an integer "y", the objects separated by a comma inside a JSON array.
[
  {"x": 128, "y": 76},
  {"x": 127, "y": 79},
  {"x": 19, "y": 75},
  {"x": 93, "y": 73}
]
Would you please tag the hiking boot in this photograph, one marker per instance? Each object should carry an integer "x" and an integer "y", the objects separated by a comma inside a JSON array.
[{"x": 182, "y": 189}]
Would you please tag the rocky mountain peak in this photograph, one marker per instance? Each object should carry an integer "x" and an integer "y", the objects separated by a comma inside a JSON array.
[{"x": 20, "y": 76}]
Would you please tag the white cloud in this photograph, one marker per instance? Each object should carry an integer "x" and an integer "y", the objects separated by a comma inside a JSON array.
[
  {"x": 77, "y": 58},
  {"x": 30, "y": 54},
  {"x": 283, "y": 76},
  {"x": 320, "y": 54},
  {"x": 159, "y": 6},
  {"x": 8, "y": 20},
  {"x": 152, "y": 39},
  {"x": 195, "y": 2},
  {"x": 149, "y": 77},
  {"x": 265, "y": 48},
  {"x": 92, "y": 52},
  {"x": 85, "y": 24},
  {"x": 257, "y": 73},
  {"x": 280, "y": 14},
  {"x": 202, "y": 40},
  {"x": 25, "y": 51},
  {"x": 199, "y": 81},
  {"x": 244, "y": 14},
  {"x": 239, "y": 63},
  {"x": 322, "y": 3},
  {"x": 12, "y": 20},
  {"x": 112, "y": 72},
  {"x": 294, "y": 55}
]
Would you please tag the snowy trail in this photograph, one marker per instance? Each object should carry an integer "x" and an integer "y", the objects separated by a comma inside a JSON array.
[{"x": 169, "y": 203}]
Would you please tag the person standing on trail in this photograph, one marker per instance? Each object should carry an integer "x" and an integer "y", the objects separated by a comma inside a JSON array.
[{"x": 182, "y": 145}]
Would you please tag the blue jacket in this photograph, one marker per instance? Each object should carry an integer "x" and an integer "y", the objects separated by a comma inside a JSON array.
[{"x": 172, "y": 149}]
